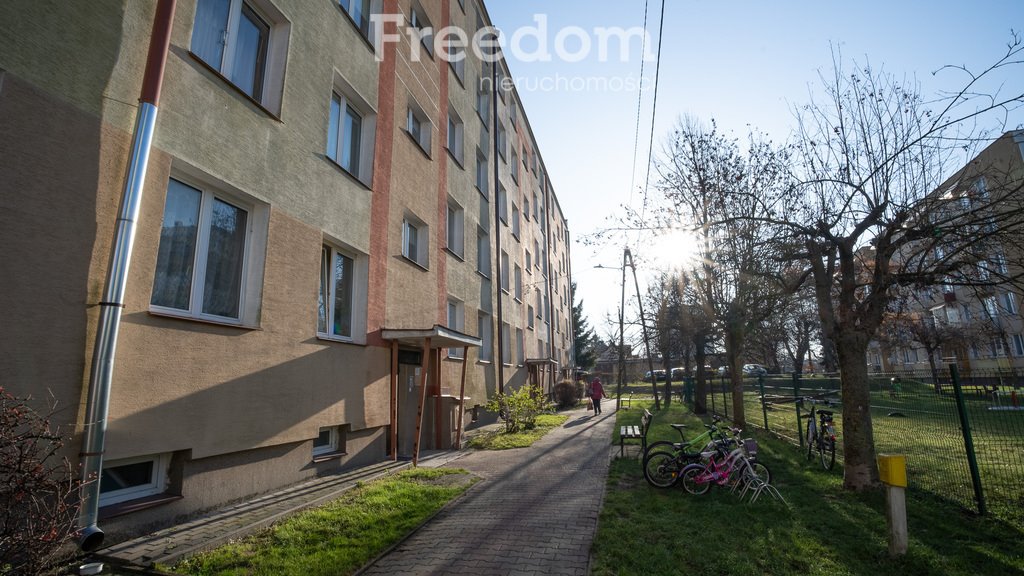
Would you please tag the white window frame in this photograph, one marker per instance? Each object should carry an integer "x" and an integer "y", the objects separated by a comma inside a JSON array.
[
  {"x": 483, "y": 324},
  {"x": 418, "y": 127},
  {"x": 414, "y": 226},
  {"x": 424, "y": 29},
  {"x": 275, "y": 53},
  {"x": 257, "y": 222},
  {"x": 455, "y": 229},
  {"x": 505, "y": 276},
  {"x": 359, "y": 295},
  {"x": 1018, "y": 345},
  {"x": 332, "y": 445},
  {"x": 456, "y": 144},
  {"x": 456, "y": 318},
  {"x": 483, "y": 252},
  {"x": 506, "y": 344},
  {"x": 344, "y": 96},
  {"x": 156, "y": 485},
  {"x": 1010, "y": 301}
]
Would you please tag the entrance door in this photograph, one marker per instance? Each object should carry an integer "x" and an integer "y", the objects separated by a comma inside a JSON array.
[{"x": 409, "y": 376}]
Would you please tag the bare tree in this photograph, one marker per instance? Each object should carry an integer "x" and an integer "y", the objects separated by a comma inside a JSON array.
[
  {"x": 38, "y": 491},
  {"x": 873, "y": 210},
  {"x": 707, "y": 179}
]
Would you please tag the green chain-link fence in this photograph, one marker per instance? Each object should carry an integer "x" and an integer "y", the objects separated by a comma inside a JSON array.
[{"x": 919, "y": 417}]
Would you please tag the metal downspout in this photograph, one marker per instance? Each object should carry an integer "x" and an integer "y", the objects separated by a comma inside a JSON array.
[
  {"x": 499, "y": 359},
  {"x": 95, "y": 422}
]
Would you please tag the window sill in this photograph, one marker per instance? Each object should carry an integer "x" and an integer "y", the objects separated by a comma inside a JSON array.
[
  {"x": 203, "y": 320},
  {"x": 455, "y": 159},
  {"x": 482, "y": 275},
  {"x": 350, "y": 175},
  {"x": 328, "y": 456},
  {"x": 454, "y": 254},
  {"x": 235, "y": 88},
  {"x": 415, "y": 263},
  {"x": 338, "y": 340},
  {"x": 484, "y": 362},
  {"x": 137, "y": 505},
  {"x": 425, "y": 152}
]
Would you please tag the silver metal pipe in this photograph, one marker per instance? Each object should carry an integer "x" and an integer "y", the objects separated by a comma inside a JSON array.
[{"x": 97, "y": 407}]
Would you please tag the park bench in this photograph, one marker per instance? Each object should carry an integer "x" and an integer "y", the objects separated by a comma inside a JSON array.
[
  {"x": 633, "y": 432},
  {"x": 625, "y": 403}
]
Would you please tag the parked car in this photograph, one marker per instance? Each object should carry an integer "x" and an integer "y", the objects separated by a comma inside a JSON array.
[
  {"x": 754, "y": 370},
  {"x": 658, "y": 375},
  {"x": 723, "y": 370},
  {"x": 678, "y": 374}
]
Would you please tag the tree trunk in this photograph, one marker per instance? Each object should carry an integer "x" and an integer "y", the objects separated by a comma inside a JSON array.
[
  {"x": 858, "y": 438},
  {"x": 668, "y": 379},
  {"x": 733, "y": 351},
  {"x": 700, "y": 388}
]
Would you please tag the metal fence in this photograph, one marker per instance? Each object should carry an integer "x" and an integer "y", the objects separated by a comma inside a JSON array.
[{"x": 962, "y": 434}]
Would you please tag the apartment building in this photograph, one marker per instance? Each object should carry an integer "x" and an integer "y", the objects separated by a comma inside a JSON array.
[
  {"x": 973, "y": 318},
  {"x": 340, "y": 231}
]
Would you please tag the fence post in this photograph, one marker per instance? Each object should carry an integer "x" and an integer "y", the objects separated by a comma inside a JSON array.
[
  {"x": 972, "y": 459},
  {"x": 725, "y": 397},
  {"x": 797, "y": 402},
  {"x": 712, "y": 386},
  {"x": 764, "y": 405}
]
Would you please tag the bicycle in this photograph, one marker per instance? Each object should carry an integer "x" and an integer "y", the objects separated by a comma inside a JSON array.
[
  {"x": 684, "y": 444},
  {"x": 738, "y": 468},
  {"x": 821, "y": 435},
  {"x": 662, "y": 468}
]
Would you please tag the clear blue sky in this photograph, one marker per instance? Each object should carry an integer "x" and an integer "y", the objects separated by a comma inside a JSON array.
[{"x": 741, "y": 62}]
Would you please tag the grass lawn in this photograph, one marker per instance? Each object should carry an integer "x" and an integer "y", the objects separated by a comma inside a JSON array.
[
  {"x": 499, "y": 440},
  {"x": 340, "y": 537},
  {"x": 819, "y": 530}
]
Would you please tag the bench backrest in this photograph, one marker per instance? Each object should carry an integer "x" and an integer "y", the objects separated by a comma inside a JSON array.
[{"x": 645, "y": 422}]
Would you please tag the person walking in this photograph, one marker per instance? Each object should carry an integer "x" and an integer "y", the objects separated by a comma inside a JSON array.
[{"x": 596, "y": 393}]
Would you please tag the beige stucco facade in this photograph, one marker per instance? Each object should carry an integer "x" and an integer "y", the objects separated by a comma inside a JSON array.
[{"x": 231, "y": 409}]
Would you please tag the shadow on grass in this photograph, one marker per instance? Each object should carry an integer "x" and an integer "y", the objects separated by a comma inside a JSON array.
[{"x": 820, "y": 530}]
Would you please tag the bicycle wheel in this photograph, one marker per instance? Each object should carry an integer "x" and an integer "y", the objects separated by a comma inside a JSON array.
[
  {"x": 659, "y": 446},
  {"x": 761, "y": 471},
  {"x": 661, "y": 469},
  {"x": 691, "y": 479},
  {"x": 828, "y": 453},
  {"x": 810, "y": 437}
]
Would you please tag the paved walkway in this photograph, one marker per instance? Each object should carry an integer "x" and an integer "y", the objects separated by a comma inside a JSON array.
[{"x": 534, "y": 513}]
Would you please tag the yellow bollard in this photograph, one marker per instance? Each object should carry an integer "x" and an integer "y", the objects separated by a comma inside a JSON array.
[{"x": 892, "y": 471}]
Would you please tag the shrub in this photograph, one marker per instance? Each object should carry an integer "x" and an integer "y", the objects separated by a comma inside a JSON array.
[
  {"x": 38, "y": 491},
  {"x": 518, "y": 408},
  {"x": 567, "y": 394}
]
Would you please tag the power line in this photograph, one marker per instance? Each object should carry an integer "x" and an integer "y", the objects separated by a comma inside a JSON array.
[
  {"x": 639, "y": 106},
  {"x": 654, "y": 110}
]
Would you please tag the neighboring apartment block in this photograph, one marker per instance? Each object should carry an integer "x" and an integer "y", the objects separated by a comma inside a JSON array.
[
  {"x": 334, "y": 236},
  {"x": 974, "y": 318}
]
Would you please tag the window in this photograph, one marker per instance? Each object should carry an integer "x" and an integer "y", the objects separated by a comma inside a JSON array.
[
  {"x": 483, "y": 101},
  {"x": 483, "y": 252},
  {"x": 330, "y": 440},
  {"x": 512, "y": 116},
  {"x": 515, "y": 167},
  {"x": 203, "y": 263},
  {"x": 529, "y": 317},
  {"x": 418, "y": 127},
  {"x": 516, "y": 226},
  {"x": 506, "y": 344},
  {"x": 504, "y": 272},
  {"x": 246, "y": 42},
  {"x": 359, "y": 11},
  {"x": 456, "y": 231},
  {"x": 351, "y": 132},
  {"x": 481, "y": 172},
  {"x": 335, "y": 312},
  {"x": 456, "y": 321},
  {"x": 415, "y": 241},
  {"x": 998, "y": 350},
  {"x": 484, "y": 329},
  {"x": 456, "y": 136},
  {"x": 991, "y": 307},
  {"x": 1010, "y": 303},
  {"x": 536, "y": 250},
  {"x": 529, "y": 268},
  {"x": 536, "y": 206},
  {"x": 418, "y": 21},
  {"x": 502, "y": 142},
  {"x": 520, "y": 347},
  {"x": 526, "y": 207},
  {"x": 502, "y": 204},
  {"x": 455, "y": 54},
  {"x": 519, "y": 283},
  {"x": 133, "y": 478}
]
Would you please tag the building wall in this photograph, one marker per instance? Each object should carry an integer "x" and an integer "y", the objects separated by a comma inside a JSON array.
[{"x": 236, "y": 407}]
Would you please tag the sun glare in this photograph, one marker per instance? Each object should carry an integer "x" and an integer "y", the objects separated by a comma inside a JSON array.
[{"x": 675, "y": 250}]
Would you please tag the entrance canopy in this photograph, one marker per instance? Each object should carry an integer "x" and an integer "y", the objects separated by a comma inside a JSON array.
[{"x": 438, "y": 336}]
